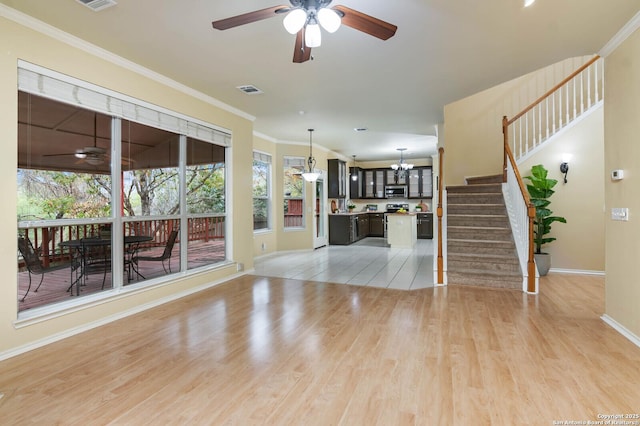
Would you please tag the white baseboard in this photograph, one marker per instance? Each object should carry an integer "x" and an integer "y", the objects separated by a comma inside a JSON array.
[
  {"x": 621, "y": 329},
  {"x": 576, "y": 271}
]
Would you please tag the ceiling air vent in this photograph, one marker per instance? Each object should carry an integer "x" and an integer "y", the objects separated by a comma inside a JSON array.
[
  {"x": 97, "y": 5},
  {"x": 250, "y": 89}
]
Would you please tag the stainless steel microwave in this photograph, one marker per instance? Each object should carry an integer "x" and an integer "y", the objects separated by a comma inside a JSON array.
[{"x": 395, "y": 191}]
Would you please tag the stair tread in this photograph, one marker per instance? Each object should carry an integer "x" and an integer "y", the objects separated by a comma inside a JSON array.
[
  {"x": 476, "y": 204},
  {"x": 474, "y": 193},
  {"x": 478, "y": 227},
  {"x": 485, "y": 256},
  {"x": 476, "y": 215},
  {"x": 467, "y": 240},
  {"x": 494, "y": 273}
]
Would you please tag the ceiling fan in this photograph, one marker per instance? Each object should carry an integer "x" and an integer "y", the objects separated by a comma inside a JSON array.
[
  {"x": 304, "y": 18},
  {"x": 93, "y": 155}
]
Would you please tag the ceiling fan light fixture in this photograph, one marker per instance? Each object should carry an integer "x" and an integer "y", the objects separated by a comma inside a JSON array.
[
  {"x": 329, "y": 19},
  {"x": 80, "y": 155},
  {"x": 94, "y": 160},
  {"x": 312, "y": 36},
  {"x": 295, "y": 20}
]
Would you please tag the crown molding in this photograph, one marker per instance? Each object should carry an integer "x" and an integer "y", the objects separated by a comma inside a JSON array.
[
  {"x": 624, "y": 33},
  {"x": 78, "y": 43}
]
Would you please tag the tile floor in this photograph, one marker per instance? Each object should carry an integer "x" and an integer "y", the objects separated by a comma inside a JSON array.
[{"x": 369, "y": 262}]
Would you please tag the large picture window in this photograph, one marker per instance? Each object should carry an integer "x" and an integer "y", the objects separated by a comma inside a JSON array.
[
  {"x": 293, "y": 192},
  {"x": 261, "y": 191},
  {"x": 111, "y": 199}
]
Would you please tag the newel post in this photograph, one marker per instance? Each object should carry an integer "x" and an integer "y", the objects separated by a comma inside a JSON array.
[{"x": 505, "y": 133}]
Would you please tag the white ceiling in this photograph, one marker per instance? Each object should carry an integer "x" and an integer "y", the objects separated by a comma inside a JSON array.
[{"x": 444, "y": 50}]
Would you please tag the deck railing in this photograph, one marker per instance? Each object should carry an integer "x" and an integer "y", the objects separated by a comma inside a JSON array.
[{"x": 47, "y": 239}]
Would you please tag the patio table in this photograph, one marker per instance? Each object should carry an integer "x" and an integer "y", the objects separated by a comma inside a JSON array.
[{"x": 83, "y": 246}]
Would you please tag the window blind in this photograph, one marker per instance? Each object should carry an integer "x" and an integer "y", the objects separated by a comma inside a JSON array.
[{"x": 59, "y": 87}]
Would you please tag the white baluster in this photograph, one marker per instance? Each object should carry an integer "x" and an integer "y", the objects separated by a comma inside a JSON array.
[
  {"x": 540, "y": 123},
  {"x": 575, "y": 100},
  {"x": 533, "y": 127},
  {"x": 597, "y": 83},
  {"x": 567, "y": 102},
  {"x": 520, "y": 138},
  {"x": 553, "y": 112},
  {"x": 581, "y": 92},
  {"x": 589, "y": 85},
  {"x": 547, "y": 111},
  {"x": 526, "y": 132},
  {"x": 560, "y": 109}
]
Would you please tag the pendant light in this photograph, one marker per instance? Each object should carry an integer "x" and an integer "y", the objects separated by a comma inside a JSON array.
[
  {"x": 310, "y": 175},
  {"x": 354, "y": 175}
]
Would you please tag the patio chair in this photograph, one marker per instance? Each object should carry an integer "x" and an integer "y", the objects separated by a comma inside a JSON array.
[
  {"x": 166, "y": 254},
  {"x": 34, "y": 263}
]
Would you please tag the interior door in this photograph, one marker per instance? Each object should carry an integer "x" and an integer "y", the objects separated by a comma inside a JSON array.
[{"x": 320, "y": 213}]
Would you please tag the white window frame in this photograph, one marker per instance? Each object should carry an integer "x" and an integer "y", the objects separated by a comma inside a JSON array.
[{"x": 265, "y": 158}]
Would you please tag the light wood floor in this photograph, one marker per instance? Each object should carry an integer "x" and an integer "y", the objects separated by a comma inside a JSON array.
[{"x": 260, "y": 350}]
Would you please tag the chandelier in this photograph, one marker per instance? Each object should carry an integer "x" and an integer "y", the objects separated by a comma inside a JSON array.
[
  {"x": 401, "y": 167},
  {"x": 310, "y": 175}
]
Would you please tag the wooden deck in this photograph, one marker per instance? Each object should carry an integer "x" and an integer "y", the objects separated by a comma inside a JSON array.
[{"x": 56, "y": 283}]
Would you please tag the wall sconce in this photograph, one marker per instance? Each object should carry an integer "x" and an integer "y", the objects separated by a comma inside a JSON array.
[{"x": 564, "y": 166}]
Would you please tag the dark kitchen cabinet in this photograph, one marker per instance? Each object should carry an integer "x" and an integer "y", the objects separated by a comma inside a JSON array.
[
  {"x": 374, "y": 181},
  {"x": 348, "y": 228},
  {"x": 376, "y": 224},
  {"x": 421, "y": 183},
  {"x": 355, "y": 184},
  {"x": 337, "y": 178},
  {"x": 341, "y": 230},
  {"x": 425, "y": 225},
  {"x": 363, "y": 225}
]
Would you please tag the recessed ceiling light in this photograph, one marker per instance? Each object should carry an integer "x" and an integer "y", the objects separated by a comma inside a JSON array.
[
  {"x": 360, "y": 129},
  {"x": 528, "y": 3}
]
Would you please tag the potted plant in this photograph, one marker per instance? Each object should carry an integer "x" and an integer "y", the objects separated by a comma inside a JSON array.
[
  {"x": 351, "y": 206},
  {"x": 540, "y": 189}
]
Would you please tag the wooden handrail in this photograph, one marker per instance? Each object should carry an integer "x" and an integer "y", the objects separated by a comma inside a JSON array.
[
  {"x": 554, "y": 89},
  {"x": 531, "y": 210},
  {"x": 439, "y": 214}
]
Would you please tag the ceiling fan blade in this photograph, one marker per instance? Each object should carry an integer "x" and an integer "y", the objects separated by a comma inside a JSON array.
[
  {"x": 365, "y": 23},
  {"x": 301, "y": 53},
  {"x": 247, "y": 18}
]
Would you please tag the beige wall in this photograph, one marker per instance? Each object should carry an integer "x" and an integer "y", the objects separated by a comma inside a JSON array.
[
  {"x": 18, "y": 42},
  {"x": 580, "y": 242},
  {"x": 622, "y": 151},
  {"x": 473, "y": 138}
]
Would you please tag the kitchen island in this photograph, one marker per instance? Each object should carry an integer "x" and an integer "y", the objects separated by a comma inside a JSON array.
[{"x": 402, "y": 230}]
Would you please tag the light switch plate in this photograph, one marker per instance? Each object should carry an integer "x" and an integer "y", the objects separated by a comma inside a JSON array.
[{"x": 619, "y": 213}]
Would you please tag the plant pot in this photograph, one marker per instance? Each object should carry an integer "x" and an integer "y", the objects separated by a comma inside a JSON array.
[{"x": 543, "y": 262}]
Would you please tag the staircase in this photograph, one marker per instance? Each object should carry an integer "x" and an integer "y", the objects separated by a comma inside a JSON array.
[{"x": 480, "y": 246}]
